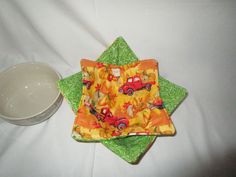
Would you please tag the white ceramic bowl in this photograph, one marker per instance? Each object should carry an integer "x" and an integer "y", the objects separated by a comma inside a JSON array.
[{"x": 28, "y": 93}]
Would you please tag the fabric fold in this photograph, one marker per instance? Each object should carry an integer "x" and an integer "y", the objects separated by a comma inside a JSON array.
[{"x": 120, "y": 100}]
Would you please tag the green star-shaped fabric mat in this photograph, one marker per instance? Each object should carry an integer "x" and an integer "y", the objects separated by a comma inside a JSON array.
[{"x": 130, "y": 148}]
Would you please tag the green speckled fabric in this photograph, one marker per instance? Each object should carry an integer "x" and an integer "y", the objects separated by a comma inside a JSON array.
[{"x": 132, "y": 148}]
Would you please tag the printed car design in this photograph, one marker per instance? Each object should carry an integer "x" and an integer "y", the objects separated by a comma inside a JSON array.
[{"x": 133, "y": 84}]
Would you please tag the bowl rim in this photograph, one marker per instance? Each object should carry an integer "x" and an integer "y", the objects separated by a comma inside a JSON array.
[{"x": 45, "y": 109}]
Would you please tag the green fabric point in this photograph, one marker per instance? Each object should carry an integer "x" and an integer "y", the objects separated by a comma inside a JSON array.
[{"x": 130, "y": 148}]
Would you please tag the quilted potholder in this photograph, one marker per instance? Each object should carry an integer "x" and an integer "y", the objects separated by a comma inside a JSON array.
[{"x": 132, "y": 148}]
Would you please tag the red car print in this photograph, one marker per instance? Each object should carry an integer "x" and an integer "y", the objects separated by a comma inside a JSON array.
[
  {"x": 133, "y": 84},
  {"x": 106, "y": 116},
  {"x": 87, "y": 83}
]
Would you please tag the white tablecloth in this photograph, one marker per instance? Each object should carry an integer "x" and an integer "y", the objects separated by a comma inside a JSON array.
[{"x": 195, "y": 43}]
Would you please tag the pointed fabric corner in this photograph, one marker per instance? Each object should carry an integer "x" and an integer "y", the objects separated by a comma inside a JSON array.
[
  {"x": 131, "y": 148},
  {"x": 118, "y": 53}
]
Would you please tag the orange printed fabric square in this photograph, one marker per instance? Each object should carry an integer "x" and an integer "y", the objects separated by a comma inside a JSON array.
[{"x": 120, "y": 101}]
